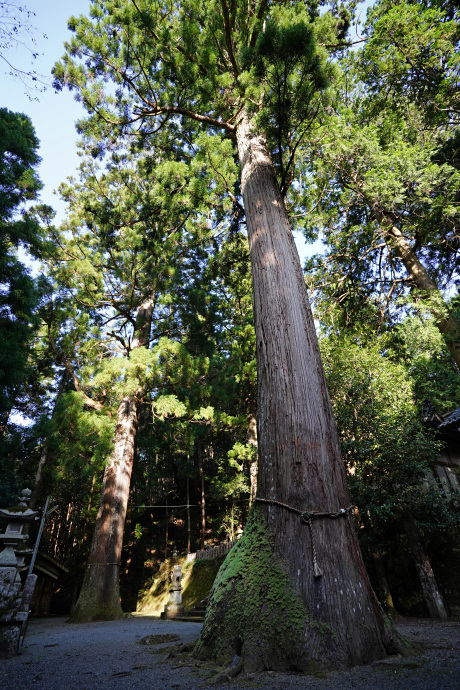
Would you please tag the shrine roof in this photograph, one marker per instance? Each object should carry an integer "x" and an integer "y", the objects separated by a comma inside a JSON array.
[{"x": 452, "y": 419}]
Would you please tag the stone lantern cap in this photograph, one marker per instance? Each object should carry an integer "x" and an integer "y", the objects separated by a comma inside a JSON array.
[
  {"x": 16, "y": 516},
  {"x": 20, "y": 513},
  {"x": 13, "y": 514}
]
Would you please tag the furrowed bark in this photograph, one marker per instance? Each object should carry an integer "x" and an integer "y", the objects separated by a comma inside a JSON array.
[
  {"x": 266, "y": 604},
  {"x": 99, "y": 598},
  {"x": 100, "y": 594}
]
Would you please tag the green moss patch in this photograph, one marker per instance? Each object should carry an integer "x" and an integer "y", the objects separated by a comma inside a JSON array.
[
  {"x": 253, "y": 611},
  {"x": 200, "y": 581}
]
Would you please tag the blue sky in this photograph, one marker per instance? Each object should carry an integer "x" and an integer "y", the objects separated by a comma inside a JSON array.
[{"x": 54, "y": 114}]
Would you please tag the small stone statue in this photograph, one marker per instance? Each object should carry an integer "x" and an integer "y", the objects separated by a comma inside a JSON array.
[
  {"x": 176, "y": 577},
  {"x": 174, "y": 607}
]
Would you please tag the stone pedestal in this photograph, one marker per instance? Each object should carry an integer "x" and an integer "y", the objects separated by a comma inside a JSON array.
[{"x": 174, "y": 607}]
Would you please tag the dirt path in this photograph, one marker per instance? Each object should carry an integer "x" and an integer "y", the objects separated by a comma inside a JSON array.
[{"x": 58, "y": 656}]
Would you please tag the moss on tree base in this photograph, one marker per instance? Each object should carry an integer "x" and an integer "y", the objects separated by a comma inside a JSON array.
[
  {"x": 253, "y": 611},
  {"x": 89, "y": 611},
  {"x": 88, "y": 615},
  {"x": 99, "y": 598}
]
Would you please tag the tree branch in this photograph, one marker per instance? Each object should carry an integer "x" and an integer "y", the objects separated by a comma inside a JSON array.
[{"x": 94, "y": 404}]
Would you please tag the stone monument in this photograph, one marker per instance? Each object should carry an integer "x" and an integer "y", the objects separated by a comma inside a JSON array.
[
  {"x": 14, "y": 598},
  {"x": 174, "y": 607}
]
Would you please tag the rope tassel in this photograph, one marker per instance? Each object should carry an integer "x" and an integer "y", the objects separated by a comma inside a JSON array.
[{"x": 317, "y": 572}]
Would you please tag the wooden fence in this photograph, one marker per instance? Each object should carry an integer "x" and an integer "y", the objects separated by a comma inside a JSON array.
[{"x": 213, "y": 552}]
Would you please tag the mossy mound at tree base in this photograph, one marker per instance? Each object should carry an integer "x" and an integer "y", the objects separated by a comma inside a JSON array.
[
  {"x": 253, "y": 611},
  {"x": 197, "y": 580},
  {"x": 86, "y": 614}
]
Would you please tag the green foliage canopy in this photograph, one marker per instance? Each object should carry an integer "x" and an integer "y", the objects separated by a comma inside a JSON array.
[{"x": 19, "y": 294}]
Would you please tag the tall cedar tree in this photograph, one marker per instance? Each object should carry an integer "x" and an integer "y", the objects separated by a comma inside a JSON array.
[
  {"x": 253, "y": 72},
  {"x": 119, "y": 251}
]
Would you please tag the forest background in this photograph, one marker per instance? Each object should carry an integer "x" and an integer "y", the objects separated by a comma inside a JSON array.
[{"x": 144, "y": 292}]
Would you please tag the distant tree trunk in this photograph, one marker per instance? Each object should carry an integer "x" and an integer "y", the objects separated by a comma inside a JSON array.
[
  {"x": 376, "y": 559},
  {"x": 45, "y": 449},
  {"x": 100, "y": 594},
  {"x": 91, "y": 493},
  {"x": 203, "y": 495},
  {"x": 382, "y": 580},
  {"x": 167, "y": 528},
  {"x": 252, "y": 440},
  {"x": 4, "y": 422},
  {"x": 100, "y": 597},
  {"x": 445, "y": 321},
  {"x": 427, "y": 579},
  {"x": 232, "y": 526},
  {"x": 188, "y": 514},
  {"x": 269, "y": 602}
]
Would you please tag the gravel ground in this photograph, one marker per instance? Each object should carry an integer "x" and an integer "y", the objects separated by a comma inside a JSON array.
[{"x": 57, "y": 655}]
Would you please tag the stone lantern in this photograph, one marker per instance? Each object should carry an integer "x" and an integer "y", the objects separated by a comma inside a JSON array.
[
  {"x": 13, "y": 540},
  {"x": 174, "y": 607},
  {"x": 14, "y": 599}
]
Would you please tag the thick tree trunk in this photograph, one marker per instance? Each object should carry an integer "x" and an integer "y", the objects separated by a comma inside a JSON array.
[
  {"x": 269, "y": 602},
  {"x": 100, "y": 594},
  {"x": 425, "y": 573},
  {"x": 445, "y": 321}
]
